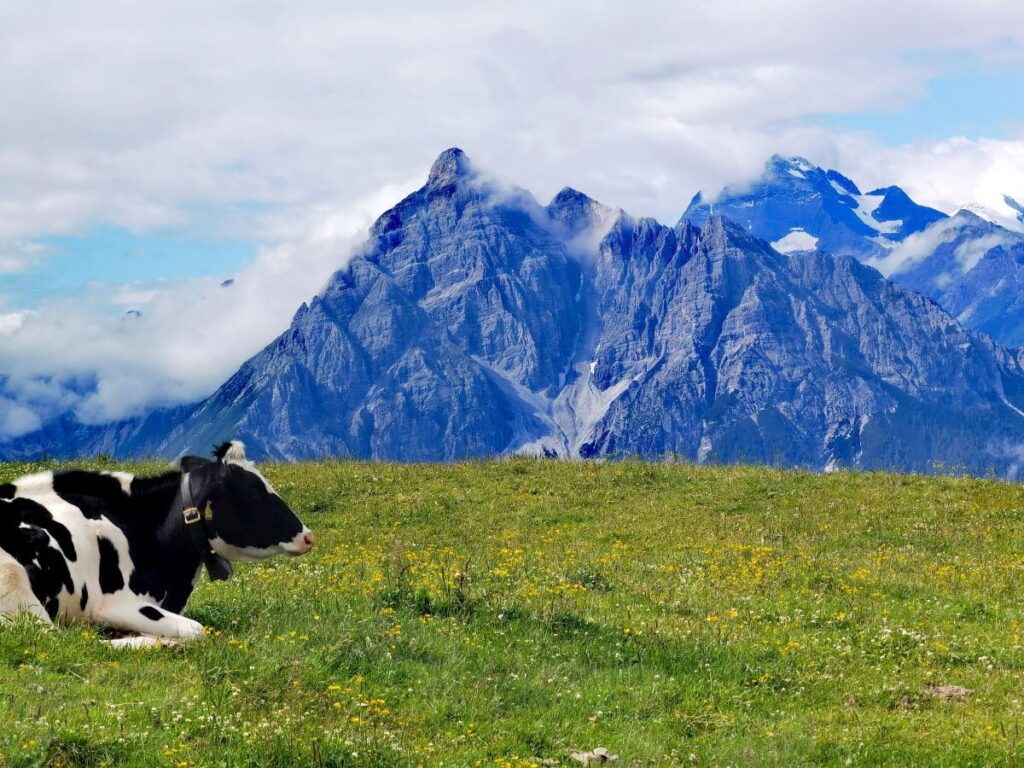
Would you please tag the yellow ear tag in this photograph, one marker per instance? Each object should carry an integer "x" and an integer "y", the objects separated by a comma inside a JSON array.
[{"x": 208, "y": 512}]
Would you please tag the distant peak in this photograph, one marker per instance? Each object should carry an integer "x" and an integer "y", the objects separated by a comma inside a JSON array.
[
  {"x": 975, "y": 214},
  {"x": 570, "y": 195},
  {"x": 576, "y": 210},
  {"x": 719, "y": 227},
  {"x": 449, "y": 166},
  {"x": 795, "y": 162},
  {"x": 891, "y": 191}
]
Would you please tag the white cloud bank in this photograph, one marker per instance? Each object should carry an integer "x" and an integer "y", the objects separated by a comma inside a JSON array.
[
  {"x": 297, "y": 123},
  {"x": 189, "y": 337},
  {"x": 139, "y": 115}
]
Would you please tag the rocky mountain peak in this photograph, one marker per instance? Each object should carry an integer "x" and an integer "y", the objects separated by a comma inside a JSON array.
[
  {"x": 791, "y": 167},
  {"x": 576, "y": 211},
  {"x": 450, "y": 165}
]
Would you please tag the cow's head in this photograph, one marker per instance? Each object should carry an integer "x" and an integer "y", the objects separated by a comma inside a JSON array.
[{"x": 247, "y": 520}]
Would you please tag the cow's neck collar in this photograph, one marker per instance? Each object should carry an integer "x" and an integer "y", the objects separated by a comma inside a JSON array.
[{"x": 196, "y": 524}]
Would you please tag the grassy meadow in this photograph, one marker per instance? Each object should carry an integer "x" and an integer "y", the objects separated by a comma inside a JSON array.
[{"x": 502, "y": 613}]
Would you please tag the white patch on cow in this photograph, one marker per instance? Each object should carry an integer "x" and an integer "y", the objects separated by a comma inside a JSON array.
[
  {"x": 235, "y": 451},
  {"x": 124, "y": 478},
  {"x": 32, "y": 485},
  {"x": 237, "y": 554},
  {"x": 299, "y": 545},
  {"x": 123, "y": 611}
]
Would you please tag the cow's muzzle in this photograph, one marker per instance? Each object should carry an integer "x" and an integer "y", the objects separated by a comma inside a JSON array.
[{"x": 301, "y": 544}]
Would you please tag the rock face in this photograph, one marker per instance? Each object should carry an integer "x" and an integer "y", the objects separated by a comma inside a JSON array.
[
  {"x": 476, "y": 322},
  {"x": 969, "y": 263},
  {"x": 974, "y": 268}
]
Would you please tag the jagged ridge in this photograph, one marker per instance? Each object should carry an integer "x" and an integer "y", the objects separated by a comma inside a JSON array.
[{"x": 477, "y": 322}]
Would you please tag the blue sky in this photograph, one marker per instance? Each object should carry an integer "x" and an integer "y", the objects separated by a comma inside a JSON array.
[
  {"x": 108, "y": 255},
  {"x": 968, "y": 100}
]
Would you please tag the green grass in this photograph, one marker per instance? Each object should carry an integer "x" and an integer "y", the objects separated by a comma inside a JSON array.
[{"x": 502, "y": 613}]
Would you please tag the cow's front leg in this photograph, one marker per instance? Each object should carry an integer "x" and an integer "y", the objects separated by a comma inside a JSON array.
[
  {"x": 142, "y": 641},
  {"x": 135, "y": 615}
]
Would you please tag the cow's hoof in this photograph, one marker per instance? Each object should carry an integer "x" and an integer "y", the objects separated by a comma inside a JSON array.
[{"x": 190, "y": 630}]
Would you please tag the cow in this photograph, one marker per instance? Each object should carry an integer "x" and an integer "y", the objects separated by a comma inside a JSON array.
[{"x": 126, "y": 552}]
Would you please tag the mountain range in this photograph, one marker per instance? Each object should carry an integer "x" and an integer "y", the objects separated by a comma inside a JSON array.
[
  {"x": 970, "y": 263},
  {"x": 477, "y": 322}
]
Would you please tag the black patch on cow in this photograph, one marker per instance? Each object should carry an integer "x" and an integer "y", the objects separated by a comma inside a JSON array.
[
  {"x": 85, "y": 597},
  {"x": 192, "y": 463},
  {"x": 159, "y": 566},
  {"x": 111, "y": 579},
  {"x": 27, "y": 534},
  {"x": 39, "y": 516},
  {"x": 93, "y": 493},
  {"x": 63, "y": 538},
  {"x": 246, "y": 514},
  {"x": 7, "y": 491},
  {"x": 151, "y": 613}
]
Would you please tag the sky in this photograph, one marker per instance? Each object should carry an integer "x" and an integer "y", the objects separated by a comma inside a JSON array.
[{"x": 151, "y": 152}]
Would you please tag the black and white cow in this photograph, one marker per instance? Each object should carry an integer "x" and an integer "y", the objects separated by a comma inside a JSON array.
[{"x": 126, "y": 552}]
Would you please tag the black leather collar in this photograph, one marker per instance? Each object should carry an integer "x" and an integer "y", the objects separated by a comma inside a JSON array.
[{"x": 197, "y": 526}]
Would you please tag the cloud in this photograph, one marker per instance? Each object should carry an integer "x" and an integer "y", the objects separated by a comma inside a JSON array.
[
  {"x": 945, "y": 174},
  {"x": 142, "y": 116},
  {"x": 17, "y": 255},
  {"x": 920, "y": 245},
  {"x": 191, "y": 334},
  {"x": 16, "y": 420},
  {"x": 1010, "y": 452},
  {"x": 915, "y": 248},
  {"x": 11, "y": 322},
  {"x": 968, "y": 254}
]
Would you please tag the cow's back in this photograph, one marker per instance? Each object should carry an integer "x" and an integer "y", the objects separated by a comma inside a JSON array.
[{"x": 63, "y": 530}]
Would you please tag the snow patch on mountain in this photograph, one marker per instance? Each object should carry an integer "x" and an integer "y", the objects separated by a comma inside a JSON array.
[
  {"x": 865, "y": 210},
  {"x": 796, "y": 240},
  {"x": 839, "y": 187},
  {"x": 1006, "y": 213}
]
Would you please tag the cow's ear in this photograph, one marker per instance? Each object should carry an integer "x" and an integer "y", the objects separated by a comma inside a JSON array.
[
  {"x": 232, "y": 450},
  {"x": 190, "y": 463}
]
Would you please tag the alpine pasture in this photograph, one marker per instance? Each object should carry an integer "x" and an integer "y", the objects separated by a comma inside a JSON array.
[{"x": 504, "y": 613}]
